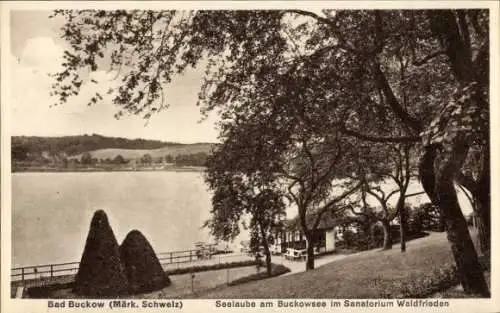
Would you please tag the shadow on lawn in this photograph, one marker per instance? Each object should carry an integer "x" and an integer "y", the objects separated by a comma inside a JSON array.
[{"x": 425, "y": 268}]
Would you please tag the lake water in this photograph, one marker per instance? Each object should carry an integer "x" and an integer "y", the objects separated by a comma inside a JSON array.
[{"x": 51, "y": 212}]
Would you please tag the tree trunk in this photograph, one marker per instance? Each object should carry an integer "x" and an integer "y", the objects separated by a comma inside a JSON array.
[
  {"x": 267, "y": 252},
  {"x": 468, "y": 265},
  {"x": 309, "y": 237},
  {"x": 440, "y": 188},
  {"x": 482, "y": 198},
  {"x": 403, "y": 218},
  {"x": 310, "y": 253},
  {"x": 387, "y": 235},
  {"x": 480, "y": 201},
  {"x": 483, "y": 225},
  {"x": 442, "y": 226},
  {"x": 268, "y": 260},
  {"x": 403, "y": 213},
  {"x": 403, "y": 221},
  {"x": 437, "y": 177}
]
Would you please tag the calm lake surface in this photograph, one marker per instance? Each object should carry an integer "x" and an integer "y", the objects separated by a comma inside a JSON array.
[{"x": 51, "y": 212}]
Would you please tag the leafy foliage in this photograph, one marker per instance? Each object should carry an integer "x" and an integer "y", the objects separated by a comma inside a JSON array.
[
  {"x": 60, "y": 151},
  {"x": 292, "y": 84},
  {"x": 236, "y": 195},
  {"x": 148, "y": 54},
  {"x": 425, "y": 217},
  {"x": 437, "y": 279},
  {"x": 73, "y": 145},
  {"x": 119, "y": 160},
  {"x": 463, "y": 118},
  {"x": 263, "y": 205}
]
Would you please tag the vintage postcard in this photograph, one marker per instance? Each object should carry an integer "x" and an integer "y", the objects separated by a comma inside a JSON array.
[{"x": 253, "y": 156}]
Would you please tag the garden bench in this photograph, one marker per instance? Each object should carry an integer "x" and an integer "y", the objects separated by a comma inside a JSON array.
[{"x": 295, "y": 255}]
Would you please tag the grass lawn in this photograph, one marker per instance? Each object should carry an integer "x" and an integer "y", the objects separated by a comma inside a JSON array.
[
  {"x": 181, "y": 284},
  {"x": 370, "y": 274},
  {"x": 203, "y": 281}
]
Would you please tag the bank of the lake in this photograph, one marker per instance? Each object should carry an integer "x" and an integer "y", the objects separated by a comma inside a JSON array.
[{"x": 49, "y": 169}]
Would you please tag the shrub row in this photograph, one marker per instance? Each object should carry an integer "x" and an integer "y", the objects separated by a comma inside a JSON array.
[
  {"x": 109, "y": 270},
  {"x": 203, "y": 268},
  {"x": 45, "y": 292},
  {"x": 275, "y": 271},
  {"x": 433, "y": 281},
  {"x": 361, "y": 241},
  {"x": 436, "y": 280},
  {"x": 222, "y": 252}
]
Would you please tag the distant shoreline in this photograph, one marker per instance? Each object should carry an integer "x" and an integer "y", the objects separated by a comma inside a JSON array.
[{"x": 96, "y": 169}]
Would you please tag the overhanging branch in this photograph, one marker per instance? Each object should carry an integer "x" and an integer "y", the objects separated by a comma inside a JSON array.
[
  {"x": 400, "y": 139},
  {"x": 393, "y": 102},
  {"x": 427, "y": 58},
  {"x": 341, "y": 197},
  {"x": 415, "y": 194},
  {"x": 315, "y": 16}
]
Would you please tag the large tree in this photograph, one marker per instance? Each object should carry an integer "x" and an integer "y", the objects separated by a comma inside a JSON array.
[
  {"x": 425, "y": 70},
  {"x": 385, "y": 171},
  {"x": 282, "y": 144},
  {"x": 461, "y": 124},
  {"x": 239, "y": 194},
  {"x": 313, "y": 174}
]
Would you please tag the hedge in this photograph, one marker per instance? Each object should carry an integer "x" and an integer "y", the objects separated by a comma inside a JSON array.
[
  {"x": 275, "y": 271},
  {"x": 436, "y": 280},
  {"x": 203, "y": 268},
  {"x": 143, "y": 269},
  {"x": 101, "y": 271}
]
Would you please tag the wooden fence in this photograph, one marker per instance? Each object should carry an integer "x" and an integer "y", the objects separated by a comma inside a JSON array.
[
  {"x": 42, "y": 273},
  {"x": 37, "y": 275}
]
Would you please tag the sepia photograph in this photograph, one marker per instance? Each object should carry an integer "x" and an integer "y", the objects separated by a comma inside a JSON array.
[{"x": 302, "y": 157}]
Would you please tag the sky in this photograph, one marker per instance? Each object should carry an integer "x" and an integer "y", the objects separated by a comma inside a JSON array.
[{"x": 36, "y": 50}]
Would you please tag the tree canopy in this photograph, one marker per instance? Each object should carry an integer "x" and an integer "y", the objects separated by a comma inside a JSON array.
[{"x": 418, "y": 77}]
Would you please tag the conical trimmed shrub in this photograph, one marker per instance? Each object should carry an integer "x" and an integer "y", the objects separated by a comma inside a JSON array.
[
  {"x": 144, "y": 271},
  {"x": 101, "y": 272}
]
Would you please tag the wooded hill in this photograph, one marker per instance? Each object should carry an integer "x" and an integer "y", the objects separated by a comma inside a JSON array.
[{"x": 27, "y": 147}]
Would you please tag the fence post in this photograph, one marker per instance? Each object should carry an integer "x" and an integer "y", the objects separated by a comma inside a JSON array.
[
  {"x": 192, "y": 283},
  {"x": 171, "y": 259},
  {"x": 190, "y": 256},
  {"x": 22, "y": 274},
  {"x": 51, "y": 270}
]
